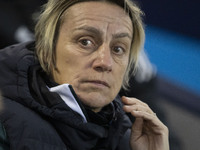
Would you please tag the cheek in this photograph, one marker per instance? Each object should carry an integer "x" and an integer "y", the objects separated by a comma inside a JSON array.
[
  {"x": 118, "y": 80},
  {"x": 122, "y": 69},
  {"x": 66, "y": 69},
  {"x": 119, "y": 75}
]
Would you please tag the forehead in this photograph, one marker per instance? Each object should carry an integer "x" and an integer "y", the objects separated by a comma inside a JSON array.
[{"x": 98, "y": 12}]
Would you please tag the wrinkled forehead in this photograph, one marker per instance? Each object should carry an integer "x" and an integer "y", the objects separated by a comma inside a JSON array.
[
  {"x": 99, "y": 11},
  {"x": 123, "y": 9}
]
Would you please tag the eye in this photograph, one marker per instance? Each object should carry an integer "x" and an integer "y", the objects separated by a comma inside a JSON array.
[
  {"x": 118, "y": 50},
  {"x": 86, "y": 42}
]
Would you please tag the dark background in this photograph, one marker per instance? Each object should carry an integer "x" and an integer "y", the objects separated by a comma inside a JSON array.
[{"x": 181, "y": 16}]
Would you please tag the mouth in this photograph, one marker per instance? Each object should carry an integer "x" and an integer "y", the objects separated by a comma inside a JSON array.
[{"x": 98, "y": 83}]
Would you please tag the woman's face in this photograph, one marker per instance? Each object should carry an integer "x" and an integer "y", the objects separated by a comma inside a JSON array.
[{"x": 92, "y": 51}]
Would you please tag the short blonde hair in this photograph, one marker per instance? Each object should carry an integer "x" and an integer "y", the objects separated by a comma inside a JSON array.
[{"x": 50, "y": 20}]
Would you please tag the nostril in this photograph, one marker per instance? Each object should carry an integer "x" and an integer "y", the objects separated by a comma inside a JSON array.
[
  {"x": 99, "y": 69},
  {"x": 103, "y": 68}
]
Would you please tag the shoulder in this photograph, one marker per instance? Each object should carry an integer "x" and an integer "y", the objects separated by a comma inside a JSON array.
[
  {"x": 12, "y": 110},
  {"x": 15, "y": 61},
  {"x": 26, "y": 128},
  {"x": 18, "y": 49},
  {"x": 12, "y": 55}
]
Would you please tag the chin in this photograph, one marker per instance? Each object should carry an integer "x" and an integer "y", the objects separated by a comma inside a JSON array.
[{"x": 95, "y": 101}]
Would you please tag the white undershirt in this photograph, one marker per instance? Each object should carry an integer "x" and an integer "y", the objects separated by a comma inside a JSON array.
[{"x": 67, "y": 96}]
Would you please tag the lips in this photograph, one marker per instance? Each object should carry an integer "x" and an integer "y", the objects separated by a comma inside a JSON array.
[{"x": 98, "y": 82}]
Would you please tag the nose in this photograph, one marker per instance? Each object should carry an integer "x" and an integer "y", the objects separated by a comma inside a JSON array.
[{"x": 103, "y": 61}]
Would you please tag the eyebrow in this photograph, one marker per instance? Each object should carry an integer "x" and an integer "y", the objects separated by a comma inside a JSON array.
[
  {"x": 122, "y": 35},
  {"x": 90, "y": 29},
  {"x": 97, "y": 32}
]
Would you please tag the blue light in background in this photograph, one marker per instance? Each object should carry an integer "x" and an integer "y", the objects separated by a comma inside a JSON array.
[{"x": 176, "y": 57}]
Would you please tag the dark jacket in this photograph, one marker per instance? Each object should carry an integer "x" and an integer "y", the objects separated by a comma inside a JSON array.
[{"x": 34, "y": 118}]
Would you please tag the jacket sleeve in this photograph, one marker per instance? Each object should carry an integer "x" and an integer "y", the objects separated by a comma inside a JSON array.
[
  {"x": 125, "y": 141},
  {"x": 4, "y": 143}
]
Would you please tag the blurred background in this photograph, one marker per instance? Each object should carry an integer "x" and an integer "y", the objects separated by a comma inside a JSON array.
[
  {"x": 168, "y": 77},
  {"x": 173, "y": 46}
]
